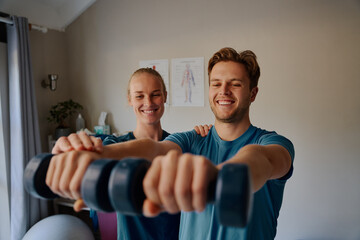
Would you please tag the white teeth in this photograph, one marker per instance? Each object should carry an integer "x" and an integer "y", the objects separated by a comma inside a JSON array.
[
  {"x": 224, "y": 102},
  {"x": 148, "y": 111}
]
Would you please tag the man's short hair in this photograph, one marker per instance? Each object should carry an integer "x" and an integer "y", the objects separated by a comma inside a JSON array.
[{"x": 246, "y": 58}]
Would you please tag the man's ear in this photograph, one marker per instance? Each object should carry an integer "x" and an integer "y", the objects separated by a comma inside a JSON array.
[{"x": 254, "y": 93}]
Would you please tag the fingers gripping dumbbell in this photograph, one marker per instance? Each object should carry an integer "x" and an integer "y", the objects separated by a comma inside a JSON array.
[{"x": 112, "y": 185}]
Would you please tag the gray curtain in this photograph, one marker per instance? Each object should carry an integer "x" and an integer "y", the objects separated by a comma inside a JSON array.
[{"x": 24, "y": 129}]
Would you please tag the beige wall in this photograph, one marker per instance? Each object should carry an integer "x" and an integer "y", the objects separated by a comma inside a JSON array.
[
  {"x": 309, "y": 86},
  {"x": 49, "y": 55}
]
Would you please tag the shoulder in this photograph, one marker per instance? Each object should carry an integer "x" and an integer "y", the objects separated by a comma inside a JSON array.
[
  {"x": 188, "y": 141},
  {"x": 264, "y": 137},
  {"x": 113, "y": 139},
  {"x": 181, "y": 136}
]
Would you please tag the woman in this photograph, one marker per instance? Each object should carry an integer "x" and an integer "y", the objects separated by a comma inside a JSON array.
[{"x": 147, "y": 95}]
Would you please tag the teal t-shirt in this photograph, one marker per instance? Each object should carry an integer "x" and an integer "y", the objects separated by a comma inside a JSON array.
[
  {"x": 165, "y": 226},
  {"x": 266, "y": 202}
]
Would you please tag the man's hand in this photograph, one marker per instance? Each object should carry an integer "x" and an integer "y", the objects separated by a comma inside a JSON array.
[
  {"x": 65, "y": 173},
  {"x": 78, "y": 142},
  {"x": 203, "y": 130},
  {"x": 177, "y": 182}
]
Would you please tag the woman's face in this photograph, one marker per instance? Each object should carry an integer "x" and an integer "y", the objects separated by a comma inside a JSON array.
[{"x": 147, "y": 98}]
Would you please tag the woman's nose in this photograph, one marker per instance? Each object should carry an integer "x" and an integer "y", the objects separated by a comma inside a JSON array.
[{"x": 147, "y": 101}]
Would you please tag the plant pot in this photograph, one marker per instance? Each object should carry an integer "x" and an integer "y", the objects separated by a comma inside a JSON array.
[{"x": 60, "y": 132}]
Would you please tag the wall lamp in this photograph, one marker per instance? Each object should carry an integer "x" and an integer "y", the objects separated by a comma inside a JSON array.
[{"x": 50, "y": 82}]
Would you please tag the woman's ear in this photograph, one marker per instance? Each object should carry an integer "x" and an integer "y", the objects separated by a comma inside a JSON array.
[
  {"x": 129, "y": 100},
  {"x": 165, "y": 96}
]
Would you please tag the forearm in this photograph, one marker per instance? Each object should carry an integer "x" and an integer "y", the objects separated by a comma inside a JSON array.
[
  {"x": 264, "y": 162},
  {"x": 142, "y": 148}
]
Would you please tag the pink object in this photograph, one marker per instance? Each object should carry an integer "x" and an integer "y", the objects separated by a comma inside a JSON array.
[{"x": 107, "y": 225}]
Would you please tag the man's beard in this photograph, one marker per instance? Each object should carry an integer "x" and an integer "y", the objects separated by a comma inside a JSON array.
[{"x": 236, "y": 116}]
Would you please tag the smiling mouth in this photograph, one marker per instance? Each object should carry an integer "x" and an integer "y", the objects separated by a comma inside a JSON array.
[
  {"x": 149, "y": 111},
  {"x": 225, "y": 102}
]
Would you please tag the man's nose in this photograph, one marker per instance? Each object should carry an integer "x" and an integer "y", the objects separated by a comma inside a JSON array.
[{"x": 225, "y": 90}]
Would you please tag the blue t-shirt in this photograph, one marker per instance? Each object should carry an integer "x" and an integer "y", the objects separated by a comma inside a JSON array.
[
  {"x": 164, "y": 226},
  {"x": 266, "y": 202}
]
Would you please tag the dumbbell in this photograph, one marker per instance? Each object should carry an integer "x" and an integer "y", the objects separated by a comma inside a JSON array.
[
  {"x": 230, "y": 192},
  {"x": 94, "y": 185},
  {"x": 94, "y": 188},
  {"x": 112, "y": 185}
]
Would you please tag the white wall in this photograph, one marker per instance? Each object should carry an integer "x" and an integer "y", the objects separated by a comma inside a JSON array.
[{"x": 309, "y": 86}]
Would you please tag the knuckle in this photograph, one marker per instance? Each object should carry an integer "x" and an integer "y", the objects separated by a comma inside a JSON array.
[
  {"x": 148, "y": 183},
  {"x": 74, "y": 187},
  {"x": 166, "y": 192},
  {"x": 62, "y": 139},
  {"x": 183, "y": 192},
  {"x": 72, "y": 135},
  {"x": 198, "y": 190},
  {"x": 202, "y": 162},
  {"x": 63, "y": 187},
  {"x": 82, "y": 133}
]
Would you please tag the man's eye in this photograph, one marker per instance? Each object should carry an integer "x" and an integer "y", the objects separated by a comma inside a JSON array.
[{"x": 138, "y": 96}]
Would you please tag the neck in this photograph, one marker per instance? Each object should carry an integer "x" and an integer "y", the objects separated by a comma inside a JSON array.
[
  {"x": 231, "y": 131},
  {"x": 153, "y": 132}
]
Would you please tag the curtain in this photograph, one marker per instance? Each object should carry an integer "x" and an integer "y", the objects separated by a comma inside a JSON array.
[{"x": 24, "y": 129}]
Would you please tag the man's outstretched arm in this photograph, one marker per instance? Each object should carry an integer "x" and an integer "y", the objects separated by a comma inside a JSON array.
[{"x": 265, "y": 162}]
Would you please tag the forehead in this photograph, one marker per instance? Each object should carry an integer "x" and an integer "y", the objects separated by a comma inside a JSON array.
[
  {"x": 228, "y": 70},
  {"x": 142, "y": 81}
]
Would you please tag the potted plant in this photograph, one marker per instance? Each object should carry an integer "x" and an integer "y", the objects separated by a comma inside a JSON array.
[{"x": 59, "y": 113}]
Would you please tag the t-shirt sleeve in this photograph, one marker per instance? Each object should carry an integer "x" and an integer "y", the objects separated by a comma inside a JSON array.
[
  {"x": 110, "y": 140},
  {"x": 184, "y": 139},
  {"x": 274, "y": 138}
]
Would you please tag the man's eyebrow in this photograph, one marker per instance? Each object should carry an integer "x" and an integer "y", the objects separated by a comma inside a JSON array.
[
  {"x": 214, "y": 79},
  {"x": 237, "y": 80},
  {"x": 232, "y": 80}
]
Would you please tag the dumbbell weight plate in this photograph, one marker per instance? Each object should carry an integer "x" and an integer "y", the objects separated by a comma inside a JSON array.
[
  {"x": 125, "y": 185},
  {"x": 94, "y": 186},
  {"x": 233, "y": 195},
  {"x": 35, "y": 175}
]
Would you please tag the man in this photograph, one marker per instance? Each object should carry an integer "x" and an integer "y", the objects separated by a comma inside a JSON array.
[{"x": 185, "y": 163}]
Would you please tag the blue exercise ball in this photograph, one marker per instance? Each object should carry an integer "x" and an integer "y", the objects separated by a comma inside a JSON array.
[{"x": 59, "y": 227}]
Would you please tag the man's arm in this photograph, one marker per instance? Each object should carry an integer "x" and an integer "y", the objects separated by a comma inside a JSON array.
[
  {"x": 265, "y": 162},
  {"x": 183, "y": 186}
]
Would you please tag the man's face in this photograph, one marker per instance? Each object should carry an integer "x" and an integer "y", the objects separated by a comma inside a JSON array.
[
  {"x": 147, "y": 98},
  {"x": 229, "y": 92}
]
